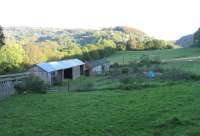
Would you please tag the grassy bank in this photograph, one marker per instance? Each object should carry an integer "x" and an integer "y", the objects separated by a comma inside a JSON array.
[{"x": 172, "y": 110}]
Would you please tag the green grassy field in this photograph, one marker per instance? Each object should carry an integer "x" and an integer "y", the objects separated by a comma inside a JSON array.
[
  {"x": 192, "y": 66},
  {"x": 166, "y": 111},
  {"x": 163, "y": 110},
  {"x": 127, "y": 56}
]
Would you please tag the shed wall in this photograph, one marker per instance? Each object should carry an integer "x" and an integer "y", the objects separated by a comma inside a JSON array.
[
  {"x": 36, "y": 71},
  {"x": 76, "y": 72}
]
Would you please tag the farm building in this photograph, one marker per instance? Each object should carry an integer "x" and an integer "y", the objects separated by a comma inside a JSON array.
[
  {"x": 52, "y": 72},
  {"x": 97, "y": 67}
]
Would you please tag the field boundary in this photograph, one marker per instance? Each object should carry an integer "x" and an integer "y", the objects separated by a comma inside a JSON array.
[{"x": 8, "y": 81}]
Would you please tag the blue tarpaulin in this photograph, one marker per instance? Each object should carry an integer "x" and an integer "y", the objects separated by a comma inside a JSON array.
[{"x": 151, "y": 74}]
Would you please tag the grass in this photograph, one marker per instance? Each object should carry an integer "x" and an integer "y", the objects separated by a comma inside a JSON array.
[
  {"x": 127, "y": 56},
  {"x": 166, "y": 111},
  {"x": 192, "y": 66},
  {"x": 87, "y": 82}
]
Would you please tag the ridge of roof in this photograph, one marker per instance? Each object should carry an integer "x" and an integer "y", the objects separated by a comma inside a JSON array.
[{"x": 59, "y": 65}]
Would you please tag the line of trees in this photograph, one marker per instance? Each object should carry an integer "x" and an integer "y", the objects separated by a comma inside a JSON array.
[
  {"x": 196, "y": 39},
  {"x": 20, "y": 49}
]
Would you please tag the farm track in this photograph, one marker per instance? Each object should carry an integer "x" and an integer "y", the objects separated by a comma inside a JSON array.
[{"x": 183, "y": 59}]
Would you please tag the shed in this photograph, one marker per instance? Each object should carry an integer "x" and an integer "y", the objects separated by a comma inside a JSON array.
[
  {"x": 57, "y": 71},
  {"x": 97, "y": 67}
]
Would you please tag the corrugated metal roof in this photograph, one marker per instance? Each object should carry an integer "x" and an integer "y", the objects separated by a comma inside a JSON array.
[
  {"x": 98, "y": 62},
  {"x": 59, "y": 65}
]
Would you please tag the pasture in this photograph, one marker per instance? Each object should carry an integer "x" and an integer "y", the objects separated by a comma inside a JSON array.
[
  {"x": 192, "y": 65},
  {"x": 128, "y": 56},
  {"x": 170, "y": 108}
]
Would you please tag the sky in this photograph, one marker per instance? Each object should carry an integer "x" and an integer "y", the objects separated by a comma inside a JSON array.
[{"x": 162, "y": 19}]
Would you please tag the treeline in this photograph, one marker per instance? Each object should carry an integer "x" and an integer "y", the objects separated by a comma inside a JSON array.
[
  {"x": 196, "y": 38},
  {"x": 190, "y": 41},
  {"x": 24, "y": 47}
]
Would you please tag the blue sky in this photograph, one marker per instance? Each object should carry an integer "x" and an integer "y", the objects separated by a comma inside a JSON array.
[{"x": 163, "y": 19}]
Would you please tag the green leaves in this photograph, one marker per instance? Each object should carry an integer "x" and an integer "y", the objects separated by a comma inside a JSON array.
[
  {"x": 2, "y": 38},
  {"x": 197, "y": 38},
  {"x": 12, "y": 56}
]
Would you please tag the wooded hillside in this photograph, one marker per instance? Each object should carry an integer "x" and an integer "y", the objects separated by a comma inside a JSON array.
[{"x": 26, "y": 46}]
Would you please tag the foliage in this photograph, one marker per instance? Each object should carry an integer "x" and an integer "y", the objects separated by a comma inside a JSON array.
[
  {"x": 2, "y": 38},
  {"x": 145, "y": 60},
  {"x": 124, "y": 70},
  {"x": 34, "y": 55},
  {"x": 196, "y": 39},
  {"x": 134, "y": 44},
  {"x": 12, "y": 57},
  {"x": 177, "y": 75},
  {"x": 32, "y": 84},
  {"x": 125, "y": 57},
  {"x": 47, "y": 44},
  {"x": 158, "y": 44}
]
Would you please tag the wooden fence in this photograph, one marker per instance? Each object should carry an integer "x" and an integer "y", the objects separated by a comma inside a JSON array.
[{"x": 7, "y": 83}]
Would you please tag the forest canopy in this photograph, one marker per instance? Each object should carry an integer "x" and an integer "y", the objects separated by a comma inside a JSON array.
[{"x": 25, "y": 46}]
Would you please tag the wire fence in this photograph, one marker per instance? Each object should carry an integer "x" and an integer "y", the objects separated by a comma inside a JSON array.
[{"x": 7, "y": 83}]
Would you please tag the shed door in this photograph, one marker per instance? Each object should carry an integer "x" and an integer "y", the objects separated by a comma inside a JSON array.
[{"x": 68, "y": 73}]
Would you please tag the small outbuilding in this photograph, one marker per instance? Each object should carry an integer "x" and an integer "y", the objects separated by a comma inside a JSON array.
[
  {"x": 57, "y": 71},
  {"x": 97, "y": 67}
]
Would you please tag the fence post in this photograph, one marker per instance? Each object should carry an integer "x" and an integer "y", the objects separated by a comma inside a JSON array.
[
  {"x": 68, "y": 85},
  {"x": 123, "y": 60}
]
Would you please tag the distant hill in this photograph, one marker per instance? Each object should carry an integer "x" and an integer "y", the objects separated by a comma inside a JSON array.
[
  {"x": 79, "y": 36},
  {"x": 185, "y": 41}
]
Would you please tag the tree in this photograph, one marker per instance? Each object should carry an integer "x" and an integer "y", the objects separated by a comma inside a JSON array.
[
  {"x": 2, "y": 38},
  {"x": 93, "y": 51},
  {"x": 11, "y": 57},
  {"x": 34, "y": 55},
  {"x": 85, "y": 55},
  {"x": 133, "y": 44},
  {"x": 196, "y": 39},
  {"x": 51, "y": 51}
]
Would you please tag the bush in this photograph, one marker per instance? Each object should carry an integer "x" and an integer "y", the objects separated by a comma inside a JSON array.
[
  {"x": 20, "y": 88},
  {"x": 124, "y": 70},
  {"x": 32, "y": 84},
  {"x": 137, "y": 82},
  {"x": 145, "y": 60},
  {"x": 177, "y": 74},
  {"x": 115, "y": 65},
  {"x": 135, "y": 66}
]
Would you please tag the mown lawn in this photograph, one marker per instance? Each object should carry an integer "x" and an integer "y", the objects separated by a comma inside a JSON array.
[
  {"x": 162, "y": 111},
  {"x": 128, "y": 56}
]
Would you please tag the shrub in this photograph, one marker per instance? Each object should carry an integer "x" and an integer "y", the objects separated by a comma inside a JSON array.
[
  {"x": 138, "y": 82},
  {"x": 115, "y": 65},
  {"x": 177, "y": 74},
  {"x": 135, "y": 66},
  {"x": 124, "y": 70},
  {"x": 32, "y": 84},
  {"x": 145, "y": 60},
  {"x": 20, "y": 88}
]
